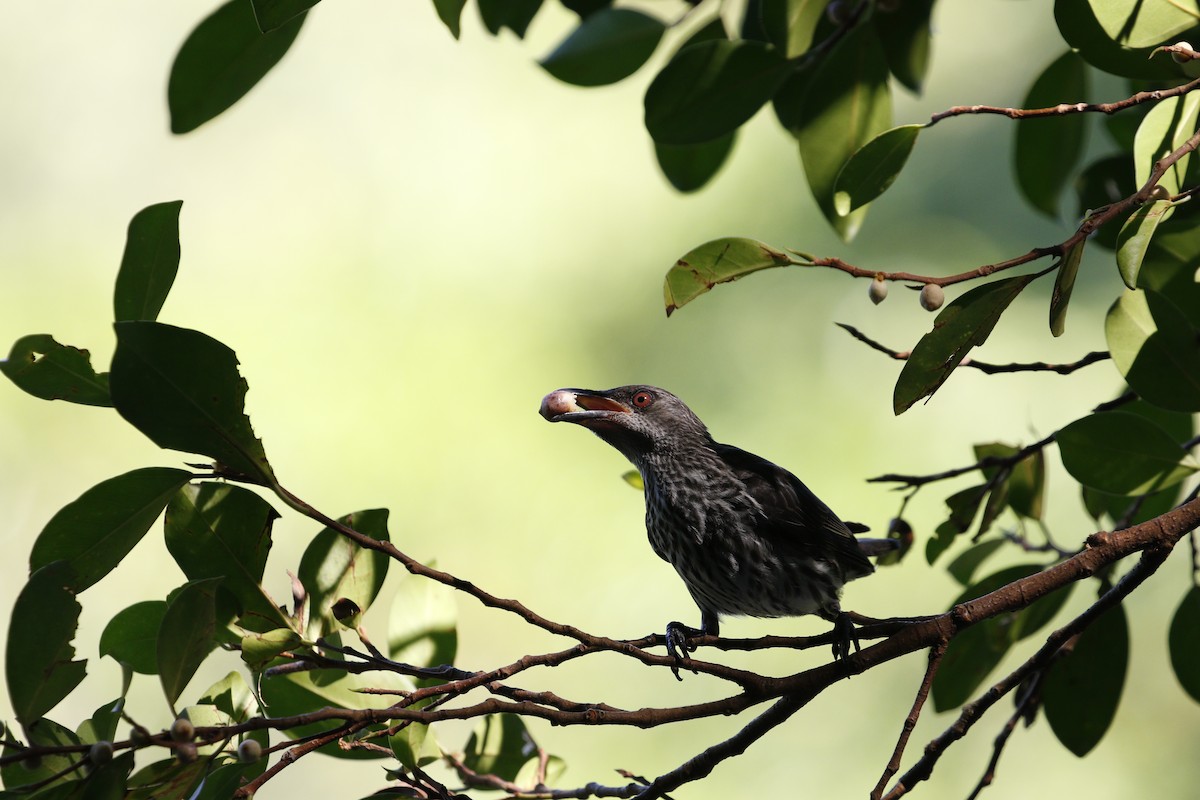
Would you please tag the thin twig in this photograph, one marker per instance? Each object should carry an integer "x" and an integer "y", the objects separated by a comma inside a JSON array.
[
  {"x": 1022, "y": 710},
  {"x": 910, "y": 722}
]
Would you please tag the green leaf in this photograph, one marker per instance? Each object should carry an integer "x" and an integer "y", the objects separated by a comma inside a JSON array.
[
  {"x": 107, "y": 782},
  {"x": 272, "y": 14},
  {"x": 943, "y": 537},
  {"x": 42, "y": 733},
  {"x": 187, "y": 635},
  {"x": 500, "y": 745},
  {"x": 1079, "y": 27},
  {"x": 258, "y": 649},
  {"x": 790, "y": 24},
  {"x": 1027, "y": 486},
  {"x": 219, "y": 530},
  {"x": 450, "y": 13},
  {"x": 718, "y": 261},
  {"x": 608, "y": 46},
  {"x": 423, "y": 625},
  {"x": 1122, "y": 453},
  {"x": 962, "y": 325},
  {"x": 969, "y": 560},
  {"x": 94, "y": 533},
  {"x": 334, "y": 568},
  {"x": 1134, "y": 239},
  {"x": 231, "y": 696},
  {"x": 973, "y": 653},
  {"x": 709, "y": 89},
  {"x": 1081, "y": 691},
  {"x": 1164, "y": 129},
  {"x": 39, "y": 666},
  {"x": 1155, "y": 347},
  {"x": 1048, "y": 148},
  {"x": 1064, "y": 283},
  {"x": 44, "y": 368},
  {"x": 690, "y": 166},
  {"x": 102, "y": 725},
  {"x": 905, "y": 33},
  {"x": 182, "y": 389},
  {"x": 149, "y": 263},
  {"x": 1145, "y": 24},
  {"x": 512, "y": 14},
  {"x": 873, "y": 168},
  {"x": 1136, "y": 509},
  {"x": 221, "y": 60},
  {"x": 846, "y": 105},
  {"x": 414, "y": 747},
  {"x": 166, "y": 779},
  {"x": 1184, "y": 643},
  {"x": 131, "y": 637}
]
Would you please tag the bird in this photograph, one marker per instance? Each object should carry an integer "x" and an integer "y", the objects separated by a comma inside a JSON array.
[{"x": 747, "y": 537}]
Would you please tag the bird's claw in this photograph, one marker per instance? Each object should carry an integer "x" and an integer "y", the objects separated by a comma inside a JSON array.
[
  {"x": 679, "y": 645},
  {"x": 844, "y": 635}
]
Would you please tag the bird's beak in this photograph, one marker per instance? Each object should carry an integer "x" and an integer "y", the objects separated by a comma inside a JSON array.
[{"x": 580, "y": 406}]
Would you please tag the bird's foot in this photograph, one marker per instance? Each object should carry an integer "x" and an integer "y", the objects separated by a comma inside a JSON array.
[
  {"x": 844, "y": 635},
  {"x": 678, "y": 644}
]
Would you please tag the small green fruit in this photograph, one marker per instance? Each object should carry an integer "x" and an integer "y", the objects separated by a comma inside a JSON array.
[
  {"x": 186, "y": 752},
  {"x": 1160, "y": 192},
  {"x": 249, "y": 751},
  {"x": 1182, "y": 58},
  {"x": 877, "y": 291},
  {"x": 932, "y": 297},
  {"x": 100, "y": 753}
]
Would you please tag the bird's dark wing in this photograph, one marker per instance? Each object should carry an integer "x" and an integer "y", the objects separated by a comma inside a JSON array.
[{"x": 793, "y": 515}]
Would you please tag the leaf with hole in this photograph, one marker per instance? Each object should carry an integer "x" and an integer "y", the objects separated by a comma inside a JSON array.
[
  {"x": 336, "y": 568},
  {"x": 718, "y": 261},
  {"x": 40, "y": 669},
  {"x": 39, "y": 365}
]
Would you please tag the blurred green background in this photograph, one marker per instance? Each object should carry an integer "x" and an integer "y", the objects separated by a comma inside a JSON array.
[{"x": 409, "y": 240}]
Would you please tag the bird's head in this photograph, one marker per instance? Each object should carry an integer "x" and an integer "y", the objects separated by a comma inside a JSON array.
[{"x": 636, "y": 420}]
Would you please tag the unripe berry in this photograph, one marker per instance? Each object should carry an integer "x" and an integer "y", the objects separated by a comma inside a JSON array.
[
  {"x": 877, "y": 291},
  {"x": 1160, "y": 192},
  {"x": 186, "y": 752},
  {"x": 932, "y": 297},
  {"x": 100, "y": 753},
  {"x": 1182, "y": 58},
  {"x": 249, "y": 751},
  {"x": 182, "y": 730},
  {"x": 139, "y": 736}
]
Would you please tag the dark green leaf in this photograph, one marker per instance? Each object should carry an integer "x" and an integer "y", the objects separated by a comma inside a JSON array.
[
  {"x": 905, "y": 33},
  {"x": 940, "y": 542},
  {"x": 873, "y": 168},
  {"x": 1027, "y": 486},
  {"x": 450, "y": 13},
  {"x": 94, "y": 533},
  {"x": 166, "y": 779},
  {"x": 149, "y": 263},
  {"x": 964, "y": 505},
  {"x": 182, "y": 389},
  {"x": 1136, "y": 509},
  {"x": 1156, "y": 348},
  {"x": 585, "y": 8},
  {"x": 500, "y": 745},
  {"x": 131, "y": 637},
  {"x": 219, "y": 530},
  {"x": 1048, "y": 148},
  {"x": 414, "y": 747},
  {"x": 1078, "y": 25},
  {"x": 102, "y": 726},
  {"x": 709, "y": 89},
  {"x": 221, "y": 60},
  {"x": 512, "y": 14},
  {"x": 335, "y": 568},
  {"x": 187, "y": 635},
  {"x": 965, "y": 564},
  {"x": 1135, "y": 237},
  {"x": 1184, "y": 642},
  {"x": 44, "y": 368},
  {"x": 272, "y": 14},
  {"x": 39, "y": 666},
  {"x": 1064, "y": 283},
  {"x": 221, "y": 783},
  {"x": 973, "y": 653},
  {"x": 1081, "y": 691},
  {"x": 690, "y": 166},
  {"x": 1164, "y": 129},
  {"x": 1122, "y": 453},
  {"x": 422, "y": 628},
  {"x": 1170, "y": 268},
  {"x": 1145, "y": 24},
  {"x": 788, "y": 100},
  {"x": 718, "y": 261},
  {"x": 1102, "y": 183},
  {"x": 790, "y": 24},
  {"x": 107, "y": 782},
  {"x": 962, "y": 325},
  {"x": 847, "y": 103},
  {"x": 42, "y": 733},
  {"x": 608, "y": 46}
]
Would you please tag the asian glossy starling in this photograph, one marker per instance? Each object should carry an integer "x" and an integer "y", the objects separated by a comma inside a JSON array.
[{"x": 746, "y": 536}]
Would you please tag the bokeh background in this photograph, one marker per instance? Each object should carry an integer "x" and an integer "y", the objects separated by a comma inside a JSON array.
[{"x": 409, "y": 240}]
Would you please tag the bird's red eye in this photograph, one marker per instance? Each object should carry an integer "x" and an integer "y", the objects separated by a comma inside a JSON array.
[{"x": 643, "y": 399}]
